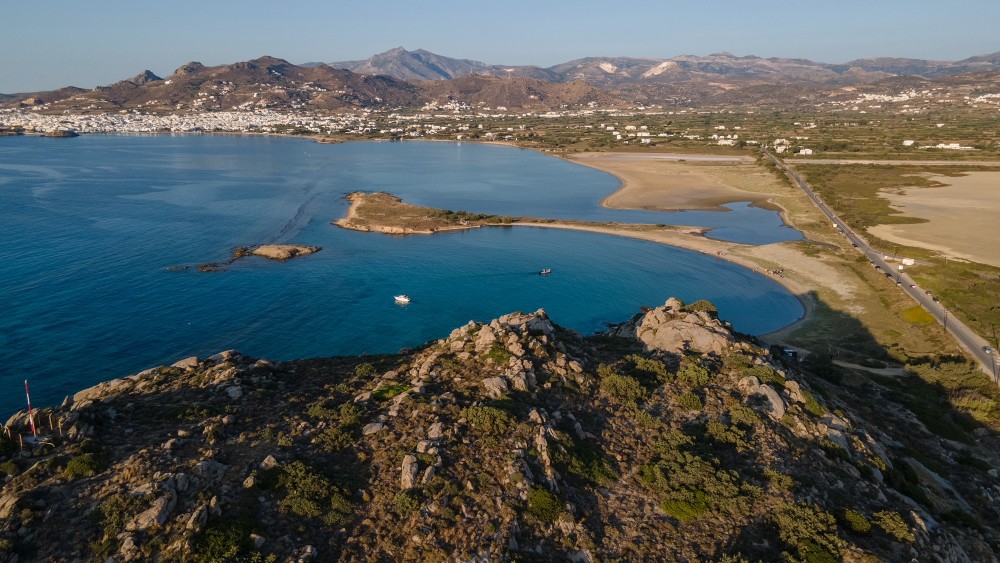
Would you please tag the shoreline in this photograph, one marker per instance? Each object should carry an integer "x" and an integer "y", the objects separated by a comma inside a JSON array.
[
  {"x": 677, "y": 239},
  {"x": 801, "y": 282},
  {"x": 693, "y": 239}
]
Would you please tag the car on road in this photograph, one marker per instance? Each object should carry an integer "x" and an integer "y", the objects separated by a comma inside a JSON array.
[
  {"x": 935, "y": 299},
  {"x": 913, "y": 285},
  {"x": 854, "y": 244},
  {"x": 928, "y": 292},
  {"x": 987, "y": 349}
]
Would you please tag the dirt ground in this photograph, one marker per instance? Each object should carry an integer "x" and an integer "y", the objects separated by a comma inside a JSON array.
[{"x": 963, "y": 217}]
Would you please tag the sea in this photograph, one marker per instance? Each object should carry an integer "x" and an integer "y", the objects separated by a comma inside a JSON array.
[{"x": 101, "y": 235}]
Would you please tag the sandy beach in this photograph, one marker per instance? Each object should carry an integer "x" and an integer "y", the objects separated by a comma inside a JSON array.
[
  {"x": 684, "y": 181},
  {"x": 671, "y": 182}
]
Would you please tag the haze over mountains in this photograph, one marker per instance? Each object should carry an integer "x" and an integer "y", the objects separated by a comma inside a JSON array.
[{"x": 401, "y": 78}]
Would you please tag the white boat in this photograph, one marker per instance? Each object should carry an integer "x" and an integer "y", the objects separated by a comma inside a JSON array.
[
  {"x": 545, "y": 271},
  {"x": 402, "y": 299}
]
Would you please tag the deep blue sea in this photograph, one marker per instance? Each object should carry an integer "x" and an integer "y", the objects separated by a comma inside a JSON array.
[{"x": 90, "y": 226}]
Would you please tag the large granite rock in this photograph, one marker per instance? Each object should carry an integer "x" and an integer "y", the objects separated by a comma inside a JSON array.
[{"x": 671, "y": 328}]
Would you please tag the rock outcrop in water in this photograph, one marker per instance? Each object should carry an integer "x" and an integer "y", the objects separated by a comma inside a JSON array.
[{"x": 513, "y": 439}]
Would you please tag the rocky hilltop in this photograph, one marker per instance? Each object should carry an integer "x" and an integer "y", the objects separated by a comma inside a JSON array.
[{"x": 672, "y": 438}]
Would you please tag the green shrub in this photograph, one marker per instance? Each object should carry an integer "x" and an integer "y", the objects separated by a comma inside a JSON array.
[
  {"x": 544, "y": 505},
  {"x": 312, "y": 495},
  {"x": 85, "y": 465},
  {"x": 764, "y": 374},
  {"x": 778, "y": 480},
  {"x": 855, "y": 521},
  {"x": 689, "y": 485},
  {"x": 606, "y": 370},
  {"x": 690, "y": 401},
  {"x": 702, "y": 305},
  {"x": 489, "y": 420},
  {"x": 727, "y": 435},
  {"x": 226, "y": 539},
  {"x": 333, "y": 439},
  {"x": 737, "y": 361},
  {"x": 812, "y": 405},
  {"x": 623, "y": 387},
  {"x": 405, "y": 502},
  {"x": 834, "y": 450},
  {"x": 694, "y": 375},
  {"x": 194, "y": 414},
  {"x": 894, "y": 525},
  {"x": 8, "y": 468},
  {"x": 364, "y": 370},
  {"x": 744, "y": 416},
  {"x": 499, "y": 354},
  {"x": 693, "y": 504},
  {"x": 649, "y": 369},
  {"x": 584, "y": 461},
  {"x": 117, "y": 510},
  {"x": 810, "y": 531}
]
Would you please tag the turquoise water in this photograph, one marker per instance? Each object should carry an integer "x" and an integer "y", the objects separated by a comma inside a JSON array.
[{"x": 91, "y": 225}]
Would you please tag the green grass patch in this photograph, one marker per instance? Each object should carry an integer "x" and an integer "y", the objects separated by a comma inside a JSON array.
[
  {"x": 386, "y": 392},
  {"x": 917, "y": 315}
]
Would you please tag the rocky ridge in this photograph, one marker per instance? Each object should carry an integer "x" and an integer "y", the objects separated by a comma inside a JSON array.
[{"x": 672, "y": 438}]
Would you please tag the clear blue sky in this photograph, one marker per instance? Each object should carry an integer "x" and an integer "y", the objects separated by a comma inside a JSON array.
[{"x": 67, "y": 42}]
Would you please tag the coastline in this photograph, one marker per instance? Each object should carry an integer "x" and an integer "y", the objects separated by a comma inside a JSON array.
[
  {"x": 782, "y": 262},
  {"x": 690, "y": 238},
  {"x": 693, "y": 239}
]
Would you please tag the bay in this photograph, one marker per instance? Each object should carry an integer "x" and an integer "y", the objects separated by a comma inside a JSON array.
[{"x": 90, "y": 226}]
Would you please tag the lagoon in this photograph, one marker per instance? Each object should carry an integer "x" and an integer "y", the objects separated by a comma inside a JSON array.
[{"x": 91, "y": 226}]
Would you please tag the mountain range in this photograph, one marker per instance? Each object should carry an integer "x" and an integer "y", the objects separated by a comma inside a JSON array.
[
  {"x": 399, "y": 78},
  {"x": 615, "y": 71}
]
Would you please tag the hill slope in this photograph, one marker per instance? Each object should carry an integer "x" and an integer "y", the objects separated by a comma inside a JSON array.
[{"x": 671, "y": 439}]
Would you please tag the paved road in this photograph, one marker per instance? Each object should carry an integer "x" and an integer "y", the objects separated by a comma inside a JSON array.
[
  {"x": 898, "y": 162},
  {"x": 972, "y": 342}
]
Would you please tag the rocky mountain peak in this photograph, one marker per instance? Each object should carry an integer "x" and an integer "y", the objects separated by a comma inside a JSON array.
[
  {"x": 144, "y": 77},
  {"x": 189, "y": 68},
  {"x": 513, "y": 437}
]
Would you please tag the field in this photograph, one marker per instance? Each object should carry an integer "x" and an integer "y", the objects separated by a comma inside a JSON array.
[{"x": 970, "y": 289}]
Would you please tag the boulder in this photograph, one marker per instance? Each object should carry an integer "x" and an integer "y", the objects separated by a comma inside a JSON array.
[
  {"x": 186, "y": 363},
  {"x": 776, "y": 407},
  {"x": 496, "y": 387},
  {"x": 668, "y": 329},
  {"x": 409, "y": 469}
]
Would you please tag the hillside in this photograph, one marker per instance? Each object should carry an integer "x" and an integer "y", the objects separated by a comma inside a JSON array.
[
  {"x": 410, "y": 79},
  {"x": 262, "y": 83},
  {"x": 672, "y": 438}
]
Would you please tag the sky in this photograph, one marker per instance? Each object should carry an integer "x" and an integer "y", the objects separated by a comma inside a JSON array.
[{"x": 87, "y": 44}]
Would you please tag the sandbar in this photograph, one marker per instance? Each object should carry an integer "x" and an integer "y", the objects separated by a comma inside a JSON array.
[{"x": 962, "y": 217}]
